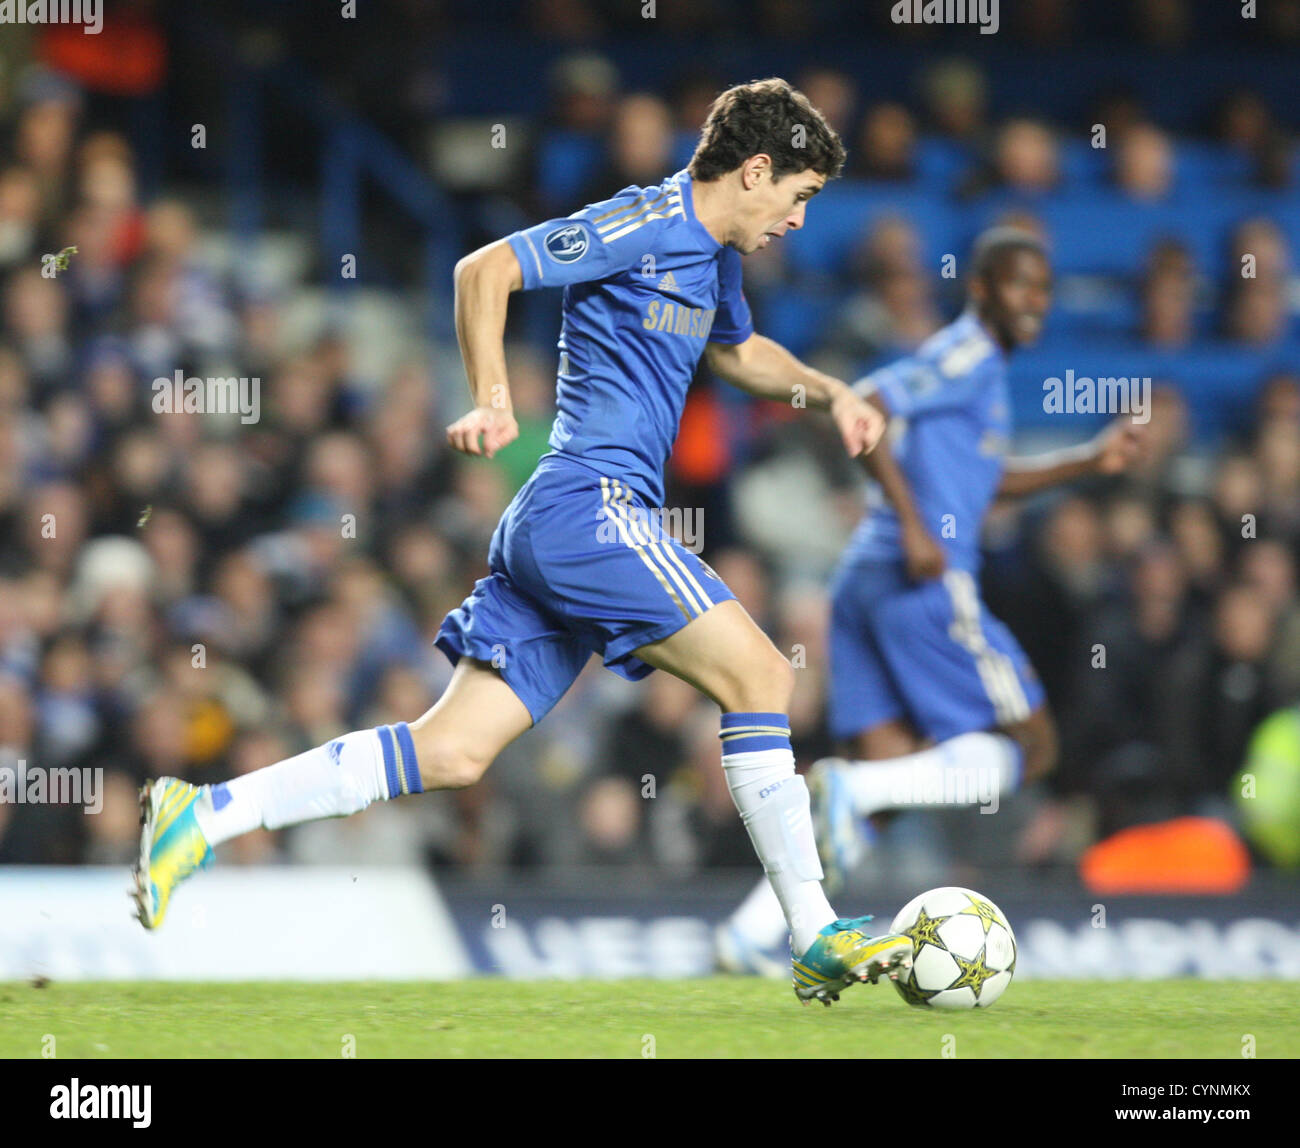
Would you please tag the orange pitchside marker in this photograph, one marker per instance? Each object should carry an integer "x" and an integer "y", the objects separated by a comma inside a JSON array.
[{"x": 1186, "y": 855}]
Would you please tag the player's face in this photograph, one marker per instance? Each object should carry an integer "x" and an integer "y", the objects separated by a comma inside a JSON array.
[
  {"x": 1016, "y": 296},
  {"x": 773, "y": 207}
]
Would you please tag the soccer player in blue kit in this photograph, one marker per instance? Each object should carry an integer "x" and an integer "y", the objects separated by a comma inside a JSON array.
[
  {"x": 931, "y": 696},
  {"x": 579, "y": 563}
]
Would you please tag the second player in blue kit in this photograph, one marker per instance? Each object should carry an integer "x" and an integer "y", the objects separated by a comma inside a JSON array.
[
  {"x": 932, "y": 700},
  {"x": 930, "y": 653}
]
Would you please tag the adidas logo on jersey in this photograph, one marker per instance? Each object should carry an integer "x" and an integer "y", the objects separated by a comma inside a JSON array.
[{"x": 668, "y": 282}]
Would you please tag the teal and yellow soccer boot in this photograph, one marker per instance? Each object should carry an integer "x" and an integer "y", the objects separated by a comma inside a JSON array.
[
  {"x": 172, "y": 846},
  {"x": 845, "y": 954}
]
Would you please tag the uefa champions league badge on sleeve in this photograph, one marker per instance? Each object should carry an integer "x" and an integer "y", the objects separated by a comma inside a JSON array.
[{"x": 567, "y": 244}]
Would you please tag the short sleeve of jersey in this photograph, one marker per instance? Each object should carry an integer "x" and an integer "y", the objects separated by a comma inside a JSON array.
[
  {"x": 733, "y": 323},
  {"x": 571, "y": 250},
  {"x": 916, "y": 386}
]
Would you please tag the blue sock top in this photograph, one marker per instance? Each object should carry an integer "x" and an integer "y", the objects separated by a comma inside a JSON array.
[{"x": 751, "y": 732}]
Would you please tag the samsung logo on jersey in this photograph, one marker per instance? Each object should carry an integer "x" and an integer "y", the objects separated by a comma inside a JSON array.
[
  {"x": 567, "y": 244},
  {"x": 678, "y": 319}
]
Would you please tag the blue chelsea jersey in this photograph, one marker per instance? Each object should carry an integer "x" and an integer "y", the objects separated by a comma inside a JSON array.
[
  {"x": 645, "y": 288},
  {"x": 952, "y": 400}
]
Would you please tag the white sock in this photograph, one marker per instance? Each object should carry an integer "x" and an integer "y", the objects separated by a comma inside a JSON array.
[
  {"x": 773, "y": 802},
  {"x": 331, "y": 780},
  {"x": 760, "y": 918},
  {"x": 971, "y": 769}
]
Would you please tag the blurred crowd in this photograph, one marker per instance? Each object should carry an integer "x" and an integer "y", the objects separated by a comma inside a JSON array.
[
  {"x": 189, "y": 595},
  {"x": 1161, "y": 612}
]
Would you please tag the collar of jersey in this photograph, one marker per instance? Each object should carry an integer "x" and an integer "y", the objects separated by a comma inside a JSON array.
[
  {"x": 973, "y": 321},
  {"x": 685, "y": 182}
]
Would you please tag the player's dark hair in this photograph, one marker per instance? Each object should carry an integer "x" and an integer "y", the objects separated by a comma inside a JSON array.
[
  {"x": 769, "y": 117},
  {"x": 996, "y": 244}
]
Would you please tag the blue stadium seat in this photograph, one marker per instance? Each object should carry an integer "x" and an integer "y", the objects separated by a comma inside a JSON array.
[
  {"x": 941, "y": 164},
  {"x": 1106, "y": 233},
  {"x": 798, "y": 318},
  {"x": 1218, "y": 379},
  {"x": 1205, "y": 166},
  {"x": 1083, "y": 165},
  {"x": 1109, "y": 314},
  {"x": 565, "y": 162},
  {"x": 840, "y": 218}
]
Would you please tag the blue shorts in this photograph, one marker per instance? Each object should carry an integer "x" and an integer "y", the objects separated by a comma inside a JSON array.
[
  {"x": 578, "y": 565},
  {"x": 928, "y": 652}
]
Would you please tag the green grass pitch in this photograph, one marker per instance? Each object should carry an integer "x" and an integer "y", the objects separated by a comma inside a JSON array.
[{"x": 721, "y": 1017}]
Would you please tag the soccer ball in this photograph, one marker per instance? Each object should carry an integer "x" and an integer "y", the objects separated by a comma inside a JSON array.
[{"x": 964, "y": 950}]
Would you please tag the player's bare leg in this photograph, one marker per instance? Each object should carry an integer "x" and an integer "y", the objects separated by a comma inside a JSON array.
[
  {"x": 893, "y": 738},
  {"x": 1036, "y": 736},
  {"x": 724, "y": 654},
  {"x": 477, "y": 716}
]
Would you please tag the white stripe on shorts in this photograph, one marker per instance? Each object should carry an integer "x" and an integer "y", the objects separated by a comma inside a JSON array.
[
  {"x": 995, "y": 669},
  {"x": 673, "y": 557},
  {"x": 640, "y": 531},
  {"x": 621, "y": 523}
]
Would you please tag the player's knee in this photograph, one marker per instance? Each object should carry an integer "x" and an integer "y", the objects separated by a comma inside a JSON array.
[
  {"x": 446, "y": 765},
  {"x": 451, "y": 768},
  {"x": 761, "y": 685},
  {"x": 782, "y": 678}
]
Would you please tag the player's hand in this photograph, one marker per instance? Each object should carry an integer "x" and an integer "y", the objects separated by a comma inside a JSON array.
[
  {"x": 493, "y": 426},
  {"x": 922, "y": 554},
  {"x": 1119, "y": 446},
  {"x": 861, "y": 424}
]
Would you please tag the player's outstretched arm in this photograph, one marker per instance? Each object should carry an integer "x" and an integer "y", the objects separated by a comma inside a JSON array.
[
  {"x": 1111, "y": 452},
  {"x": 764, "y": 368},
  {"x": 484, "y": 282}
]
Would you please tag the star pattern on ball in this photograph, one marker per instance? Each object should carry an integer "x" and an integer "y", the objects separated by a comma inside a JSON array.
[
  {"x": 987, "y": 914},
  {"x": 913, "y": 993},
  {"x": 973, "y": 973},
  {"x": 925, "y": 931}
]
